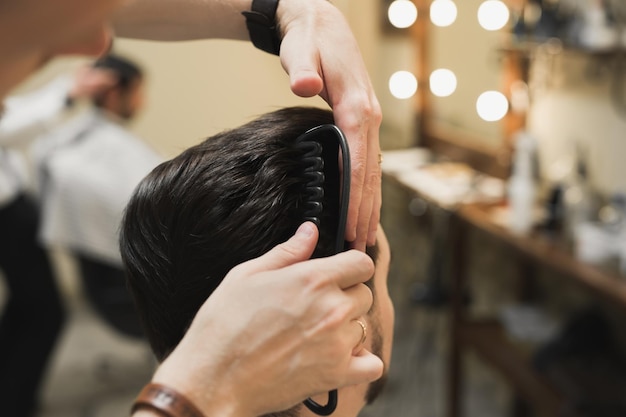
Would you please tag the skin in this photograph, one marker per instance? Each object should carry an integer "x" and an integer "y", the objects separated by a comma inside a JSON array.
[
  {"x": 29, "y": 38},
  {"x": 381, "y": 320},
  {"x": 124, "y": 104},
  {"x": 320, "y": 351},
  {"x": 91, "y": 82},
  {"x": 326, "y": 295}
]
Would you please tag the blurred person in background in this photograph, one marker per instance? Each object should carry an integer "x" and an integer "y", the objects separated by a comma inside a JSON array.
[
  {"x": 33, "y": 314},
  {"x": 87, "y": 169}
]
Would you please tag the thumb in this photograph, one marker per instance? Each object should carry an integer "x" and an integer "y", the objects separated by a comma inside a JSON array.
[
  {"x": 298, "y": 248},
  {"x": 302, "y": 63}
]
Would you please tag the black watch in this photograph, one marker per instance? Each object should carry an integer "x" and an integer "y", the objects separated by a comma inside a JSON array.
[{"x": 262, "y": 26}]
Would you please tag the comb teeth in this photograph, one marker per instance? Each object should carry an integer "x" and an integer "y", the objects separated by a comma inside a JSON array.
[{"x": 314, "y": 179}]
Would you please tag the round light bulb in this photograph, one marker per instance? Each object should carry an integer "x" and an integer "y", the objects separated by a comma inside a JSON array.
[
  {"x": 443, "y": 12},
  {"x": 402, "y": 13},
  {"x": 493, "y": 15},
  {"x": 492, "y": 106},
  {"x": 442, "y": 82},
  {"x": 403, "y": 84}
]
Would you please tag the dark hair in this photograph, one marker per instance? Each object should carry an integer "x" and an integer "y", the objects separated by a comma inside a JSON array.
[
  {"x": 227, "y": 200},
  {"x": 126, "y": 70}
]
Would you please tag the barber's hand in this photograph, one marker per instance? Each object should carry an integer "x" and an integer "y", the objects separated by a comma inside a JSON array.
[
  {"x": 321, "y": 56},
  {"x": 280, "y": 328},
  {"x": 91, "y": 82}
]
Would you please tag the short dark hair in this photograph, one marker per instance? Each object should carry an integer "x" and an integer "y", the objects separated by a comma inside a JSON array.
[
  {"x": 125, "y": 69},
  {"x": 225, "y": 201}
]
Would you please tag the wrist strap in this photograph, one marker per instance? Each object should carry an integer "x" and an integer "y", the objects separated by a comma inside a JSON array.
[
  {"x": 262, "y": 26},
  {"x": 166, "y": 401}
]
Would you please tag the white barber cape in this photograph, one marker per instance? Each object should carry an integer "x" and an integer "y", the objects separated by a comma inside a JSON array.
[
  {"x": 87, "y": 171},
  {"x": 25, "y": 117}
]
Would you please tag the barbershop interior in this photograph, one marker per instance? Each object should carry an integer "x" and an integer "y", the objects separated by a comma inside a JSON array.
[{"x": 503, "y": 201}]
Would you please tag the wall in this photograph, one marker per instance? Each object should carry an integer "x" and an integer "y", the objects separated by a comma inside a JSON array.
[
  {"x": 571, "y": 103},
  {"x": 471, "y": 53},
  {"x": 198, "y": 88},
  {"x": 201, "y": 87}
]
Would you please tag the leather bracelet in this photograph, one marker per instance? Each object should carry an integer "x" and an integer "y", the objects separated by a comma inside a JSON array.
[
  {"x": 166, "y": 401},
  {"x": 262, "y": 25}
]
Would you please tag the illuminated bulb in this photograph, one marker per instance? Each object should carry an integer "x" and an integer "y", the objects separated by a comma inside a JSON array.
[
  {"x": 402, "y": 13},
  {"x": 442, "y": 82},
  {"x": 493, "y": 15},
  {"x": 492, "y": 106},
  {"x": 402, "y": 84},
  {"x": 443, "y": 12}
]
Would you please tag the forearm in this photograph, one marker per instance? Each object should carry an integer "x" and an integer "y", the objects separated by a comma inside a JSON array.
[{"x": 172, "y": 20}]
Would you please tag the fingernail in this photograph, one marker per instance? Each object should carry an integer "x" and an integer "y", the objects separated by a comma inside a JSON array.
[{"x": 306, "y": 230}]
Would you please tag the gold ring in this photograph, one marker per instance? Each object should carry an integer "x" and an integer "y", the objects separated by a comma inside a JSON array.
[
  {"x": 364, "y": 329},
  {"x": 380, "y": 158}
]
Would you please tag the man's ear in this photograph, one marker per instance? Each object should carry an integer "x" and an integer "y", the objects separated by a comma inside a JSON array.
[{"x": 110, "y": 99}]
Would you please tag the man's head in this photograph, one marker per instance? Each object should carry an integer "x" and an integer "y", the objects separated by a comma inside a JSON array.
[
  {"x": 124, "y": 97},
  {"x": 220, "y": 203}
]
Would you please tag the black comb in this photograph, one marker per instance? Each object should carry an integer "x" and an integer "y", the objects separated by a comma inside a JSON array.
[{"x": 324, "y": 146}]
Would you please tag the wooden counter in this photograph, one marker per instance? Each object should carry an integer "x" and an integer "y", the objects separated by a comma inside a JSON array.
[{"x": 487, "y": 339}]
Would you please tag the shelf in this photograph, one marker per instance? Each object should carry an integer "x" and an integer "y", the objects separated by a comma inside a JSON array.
[
  {"x": 543, "y": 251},
  {"x": 549, "y": 254},
  {"x": 556, "y": 47},
  {"x": 488, "y": 340}
]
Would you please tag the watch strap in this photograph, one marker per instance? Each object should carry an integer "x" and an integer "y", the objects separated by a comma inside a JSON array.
[
  {"x": 262, "y": 26},
  {"x": 165, "y": 401}
]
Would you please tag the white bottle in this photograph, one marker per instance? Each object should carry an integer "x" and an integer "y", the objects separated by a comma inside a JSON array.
[
  {"x": 579, "y": 198},
  {"x": 522, "y": 189}
]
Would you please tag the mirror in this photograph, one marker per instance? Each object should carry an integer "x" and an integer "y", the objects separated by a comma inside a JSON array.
[{"x": 465, "y": 78}]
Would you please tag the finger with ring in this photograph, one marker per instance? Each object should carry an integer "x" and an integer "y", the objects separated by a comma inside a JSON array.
[{"x": 364, "y": 331}]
